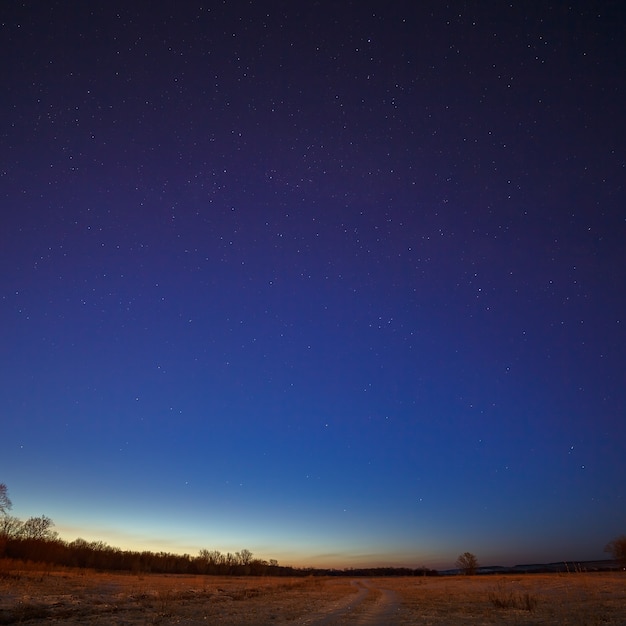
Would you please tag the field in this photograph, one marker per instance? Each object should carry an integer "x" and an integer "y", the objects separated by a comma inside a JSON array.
[{"x": 30, "y": 596}]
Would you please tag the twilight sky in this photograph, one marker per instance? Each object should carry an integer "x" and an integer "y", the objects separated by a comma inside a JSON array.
[{"x": 341, "y": 283}]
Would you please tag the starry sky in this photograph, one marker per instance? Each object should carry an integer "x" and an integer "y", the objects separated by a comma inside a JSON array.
[{"x": 341, "y": 283}]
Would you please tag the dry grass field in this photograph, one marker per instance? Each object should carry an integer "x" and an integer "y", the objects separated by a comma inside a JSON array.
[{"x": 30, "y": 596}]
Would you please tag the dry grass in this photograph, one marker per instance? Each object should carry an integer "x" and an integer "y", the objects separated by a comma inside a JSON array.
[
  {"x": 581, "y": 599},
  {"x": 79, "y": 597},
  {"x": 30, "y": 596}
]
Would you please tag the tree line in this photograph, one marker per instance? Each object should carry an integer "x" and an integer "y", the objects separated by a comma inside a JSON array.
[
  {"x": 35, "y": 540},
  {"x": 99, "y": 555}
]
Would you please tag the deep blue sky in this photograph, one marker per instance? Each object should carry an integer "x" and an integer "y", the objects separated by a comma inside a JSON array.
[{"x": 341, "y": 283}]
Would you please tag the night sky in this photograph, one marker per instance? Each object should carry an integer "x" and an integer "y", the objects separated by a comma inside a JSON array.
[{"x": 341, "y": 283}]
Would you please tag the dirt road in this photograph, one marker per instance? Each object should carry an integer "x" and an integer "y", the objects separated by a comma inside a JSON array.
[
  {"x": 77, "y": 597},
  {"x": 371, "y": 605}
]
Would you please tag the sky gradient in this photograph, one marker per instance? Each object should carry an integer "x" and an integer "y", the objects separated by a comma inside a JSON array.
[{"x": 341, "y": 283}]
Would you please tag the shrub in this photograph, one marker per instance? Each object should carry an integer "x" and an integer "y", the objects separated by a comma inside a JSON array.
[{"x": 503, "y": 598}]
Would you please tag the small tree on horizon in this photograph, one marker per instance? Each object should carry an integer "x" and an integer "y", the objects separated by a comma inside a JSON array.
[
  {"x": 617, "y": 548},
  {"x": 467, "y": 563}
]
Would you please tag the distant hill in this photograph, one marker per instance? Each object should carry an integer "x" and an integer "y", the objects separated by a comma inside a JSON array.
[{"x": 606, "y": 565}]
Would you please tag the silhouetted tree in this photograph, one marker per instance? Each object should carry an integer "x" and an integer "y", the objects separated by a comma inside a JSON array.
[
  {"x": 467, "y": 563},
  {"x": 10, "y": 527},
  {"x": 212, "y": 561},
  {"x": 258, "y": 567},
  {"x": 245, "y": 556},
  {"x": 5, "y": 502},
  {"x": 38, "y": 528},
  {"x": 617, "y": 548}
]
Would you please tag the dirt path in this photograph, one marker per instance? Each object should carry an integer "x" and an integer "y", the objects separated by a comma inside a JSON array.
[
  {"x": 74, "y": 598},
  {"x": 368, "y": 606}
]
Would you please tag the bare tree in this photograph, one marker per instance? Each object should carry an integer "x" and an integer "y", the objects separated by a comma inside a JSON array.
[
  {"x": 5, "y": 502},
  {"x": 38, "y": 528},
  {"x": 617, "y": 548},
  {"x": 244, "y": 557},
  {"x": 10, "y": 527},
  {"x": 467, "y": 563},
  {"x": 212, "y": 557}
]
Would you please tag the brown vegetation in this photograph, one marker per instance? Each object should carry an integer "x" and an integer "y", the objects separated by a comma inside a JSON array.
[{"x": 29, "y": 594}]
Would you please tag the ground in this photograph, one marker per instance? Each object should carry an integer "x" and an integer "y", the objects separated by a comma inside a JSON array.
[{"x": 31, "y": 596}]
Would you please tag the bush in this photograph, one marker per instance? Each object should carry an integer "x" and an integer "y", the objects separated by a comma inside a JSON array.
[{"x": 503, "y": 598}]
